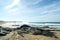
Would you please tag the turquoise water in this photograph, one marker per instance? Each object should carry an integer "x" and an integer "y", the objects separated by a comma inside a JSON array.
[
  {"x": 46, "y": 22},
  {"x": 55, "y": 24}
]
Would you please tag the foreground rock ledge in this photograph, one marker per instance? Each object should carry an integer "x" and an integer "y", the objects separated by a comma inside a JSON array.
[{"x": 14, "y": 36}]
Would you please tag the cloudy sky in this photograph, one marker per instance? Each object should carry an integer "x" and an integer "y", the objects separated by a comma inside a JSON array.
[{"x": 30, "y": 10}]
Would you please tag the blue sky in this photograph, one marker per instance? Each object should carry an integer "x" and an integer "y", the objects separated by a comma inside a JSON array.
[{"x": 30, "y": 10}]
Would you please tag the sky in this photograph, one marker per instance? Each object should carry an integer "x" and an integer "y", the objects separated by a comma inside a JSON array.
[{"x": 30, "y": 10}]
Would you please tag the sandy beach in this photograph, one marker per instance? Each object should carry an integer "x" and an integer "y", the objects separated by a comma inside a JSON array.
[{"x": 15, "y": 36}]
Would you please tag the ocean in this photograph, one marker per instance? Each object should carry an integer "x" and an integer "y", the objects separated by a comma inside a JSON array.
[{"x": 51, "y": 24}]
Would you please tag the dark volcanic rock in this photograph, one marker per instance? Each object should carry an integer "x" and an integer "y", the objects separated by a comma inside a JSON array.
[{"x": 4, "y": 31}]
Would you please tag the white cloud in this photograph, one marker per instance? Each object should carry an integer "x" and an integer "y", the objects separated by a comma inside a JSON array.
[
  {"x": 49, "y": 9},
  {"x": 15, "y": 2},
  {"x": 35, "y": 2},
  {"x": 28, "y": 3},
  {"x": 13, "y": 11},
  {"x": 10, "y": 8},
  {"x": 51, "y": 13}
]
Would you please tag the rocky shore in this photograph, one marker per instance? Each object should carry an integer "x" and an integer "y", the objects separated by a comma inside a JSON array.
[
  {"x": 23, "y": 34},
  {"x": 15, "y": 36}
]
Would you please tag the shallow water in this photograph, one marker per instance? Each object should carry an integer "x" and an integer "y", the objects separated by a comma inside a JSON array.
[{"x": 51, "y": 24}]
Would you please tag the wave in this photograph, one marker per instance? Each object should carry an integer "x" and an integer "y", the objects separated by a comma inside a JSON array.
[{"x": 45, "y": 23}]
